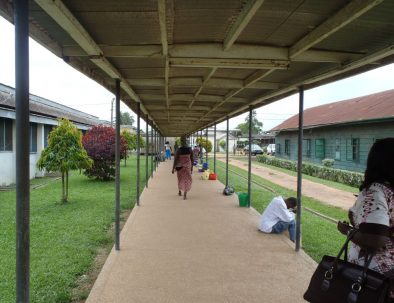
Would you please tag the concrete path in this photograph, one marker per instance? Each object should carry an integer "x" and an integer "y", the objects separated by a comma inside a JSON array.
[
  {"x": 320, "y": 192},
  {"x": 205, "y": 249}
]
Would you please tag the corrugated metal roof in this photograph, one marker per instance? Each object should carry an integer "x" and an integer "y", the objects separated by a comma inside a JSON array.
[
  {"x": 225, "y": 55},
  {"x": 372, "y": 107},
  {"x": 44, "y": 107}
]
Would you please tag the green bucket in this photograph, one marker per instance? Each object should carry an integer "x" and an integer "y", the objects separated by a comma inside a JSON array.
[{"x": 243, "y": 199}]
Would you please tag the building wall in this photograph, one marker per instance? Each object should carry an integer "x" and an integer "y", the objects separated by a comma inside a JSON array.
[
  {"x": 365, "y": 133},
  {"x": 8, "y": 158}
]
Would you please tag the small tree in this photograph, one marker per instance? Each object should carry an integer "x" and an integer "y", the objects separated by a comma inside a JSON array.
[
  {"x": 205, "y": 143},
  {"x": 64, "y": 153},
  {"x": 222, "y": 144},
  {"x": 131, "y": 142},
  {"x": 99, "y": 143},
  {"x": 257, "y": 126}
]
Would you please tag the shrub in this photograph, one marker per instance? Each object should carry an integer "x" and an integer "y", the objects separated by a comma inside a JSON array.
[
  {"x": 99, "y": 143},
  {"x": 328, "y": 162},
  {"x": 222, "y": 144},
  {"x": 205, "y": 143},
  {"x": 328, "y": 173}
]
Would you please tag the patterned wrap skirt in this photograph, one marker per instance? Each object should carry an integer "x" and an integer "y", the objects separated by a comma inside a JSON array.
[{"x": 185, "y": 175}]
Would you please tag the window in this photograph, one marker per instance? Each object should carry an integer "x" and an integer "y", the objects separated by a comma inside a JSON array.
[
  {"x": 33, "y": 137},
  {"x": 306, "y": 148},
  {"x": 353, "y": 149},
  {"x": 277, "y": 149},
  {"x": 5, "y": 134},
  {"x": 47, "y": 130},
  {"x": 320, "y": 148},
  {"x": 337, "y": 149},
  {"x": 287, "y": 147}
]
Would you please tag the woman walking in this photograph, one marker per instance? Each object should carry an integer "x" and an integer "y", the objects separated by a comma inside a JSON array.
[
  {"x": 373, "y": 213},
  {"x": 183, "y": 165}
]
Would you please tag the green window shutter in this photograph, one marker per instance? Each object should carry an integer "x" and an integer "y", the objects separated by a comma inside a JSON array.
[
  {"x": 320, "y": 148},
  {"x": 356, "y": 149},
  {"x": 287, "y": 147},
  {"x": 33, "y": 137},
  {"x": 349, "y": 150}
]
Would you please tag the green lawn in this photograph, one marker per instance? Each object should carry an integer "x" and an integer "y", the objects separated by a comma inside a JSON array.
[
  {"x": 65, "y": 238},
  {"x": 319, "y": 237},
  {"x": 304, "y": 176}
]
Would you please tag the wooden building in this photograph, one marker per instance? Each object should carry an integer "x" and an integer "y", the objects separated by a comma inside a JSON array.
[{"x": 343, "y": 131}]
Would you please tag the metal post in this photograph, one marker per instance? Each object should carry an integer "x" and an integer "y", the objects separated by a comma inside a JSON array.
[
  {"x": 299, "y": 167},
  {"x": 201, "y": 158},
  {"x": 151, "y": 151},
  {"x": 214, "y": 148},
  {"x": 21, "y": 19},
  {"x": 117, "y": 166},
  {"x": 138, "y": 151},
  {"x": 155, "y": 149},
  {"x": 146, "y": 152},
  {"x": 206, "y": 152},
  {"x": 227, "y": 152},
  {"x": 250, "y": 158}
]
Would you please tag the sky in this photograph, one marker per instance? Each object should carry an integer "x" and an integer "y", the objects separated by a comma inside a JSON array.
[{"x": 53, "y": 79}]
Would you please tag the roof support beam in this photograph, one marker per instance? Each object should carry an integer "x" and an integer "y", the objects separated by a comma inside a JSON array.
[
  {"x": 249, "y": 81},
  {"x": 60, "y": 13},
  {"x": 164, "y": 43},
  {"x": 213, "y": 70},
  {"x": 208, "y": 82},
  {"x": 163, "y": 26},
  {"x": 247, "y": 13},
  {"x": 214, "y": 50},
  {"x": 346, "y": 15},
  {"x": 230, "y": 63}
]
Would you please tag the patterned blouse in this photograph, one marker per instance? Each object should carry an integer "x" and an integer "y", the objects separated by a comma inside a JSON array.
[{"x": 375, "y": 205}]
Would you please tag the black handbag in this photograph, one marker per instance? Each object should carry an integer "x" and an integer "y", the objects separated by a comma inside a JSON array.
[{"x": 339, "y": 281}]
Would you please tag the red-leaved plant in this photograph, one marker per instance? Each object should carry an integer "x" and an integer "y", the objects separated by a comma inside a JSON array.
[{"x": 99, "y": 142}]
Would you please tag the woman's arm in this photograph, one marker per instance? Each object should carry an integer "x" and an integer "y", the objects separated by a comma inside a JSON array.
[
  {"x": 176, "y": 158},
  {"x": 370, "y": 236}
]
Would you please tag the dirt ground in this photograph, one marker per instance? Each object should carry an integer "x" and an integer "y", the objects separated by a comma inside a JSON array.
[{"x": 323, "y": 193}]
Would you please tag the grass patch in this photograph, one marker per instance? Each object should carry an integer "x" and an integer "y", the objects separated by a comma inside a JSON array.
[
  {"x": 332, "y": 184},
  {"x": 319, "y": 237},
  {"x": 65, "y": 238}
]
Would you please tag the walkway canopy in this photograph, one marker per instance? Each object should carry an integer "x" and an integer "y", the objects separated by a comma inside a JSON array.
[{"x": 193, "y": 63}]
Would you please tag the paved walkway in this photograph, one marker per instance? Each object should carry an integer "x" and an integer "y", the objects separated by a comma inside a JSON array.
[
  {"x": 205, "y": 249},
  {"x": 320, "y": 192}
]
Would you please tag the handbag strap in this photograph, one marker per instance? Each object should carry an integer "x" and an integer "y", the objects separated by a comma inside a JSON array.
[{"x": 344, "y": 249}]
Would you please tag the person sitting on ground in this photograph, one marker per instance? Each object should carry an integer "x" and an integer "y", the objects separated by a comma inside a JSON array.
[{"x": 279, "y": 216}]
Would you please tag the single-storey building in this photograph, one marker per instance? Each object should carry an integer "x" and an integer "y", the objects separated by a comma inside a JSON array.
[
  {"x": 43, "y": 117},
  {"x": 343, "y": 131}
]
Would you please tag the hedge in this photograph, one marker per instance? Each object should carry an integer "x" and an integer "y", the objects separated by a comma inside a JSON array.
[{"x": 342, "y": 176}]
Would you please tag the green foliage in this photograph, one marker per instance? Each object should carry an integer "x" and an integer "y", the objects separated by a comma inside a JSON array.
[
  {"x": 222, "y": 144},
  {"x": 67, "y": 237},
  {"x": 337, "y": 175},
  {"x": 64, "y": 152},
  {"x": 177, "y": 142},
  {"x": 328, "y": 162},
  {"x": 126, "y": 118},
  {"x": 257, "y": 126},
  {"x": 205, "y": 143},
  {"x": 131, "y": 140}
]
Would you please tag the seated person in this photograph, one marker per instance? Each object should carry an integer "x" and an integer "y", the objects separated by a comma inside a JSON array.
[{"x": 279, "y": 216}]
